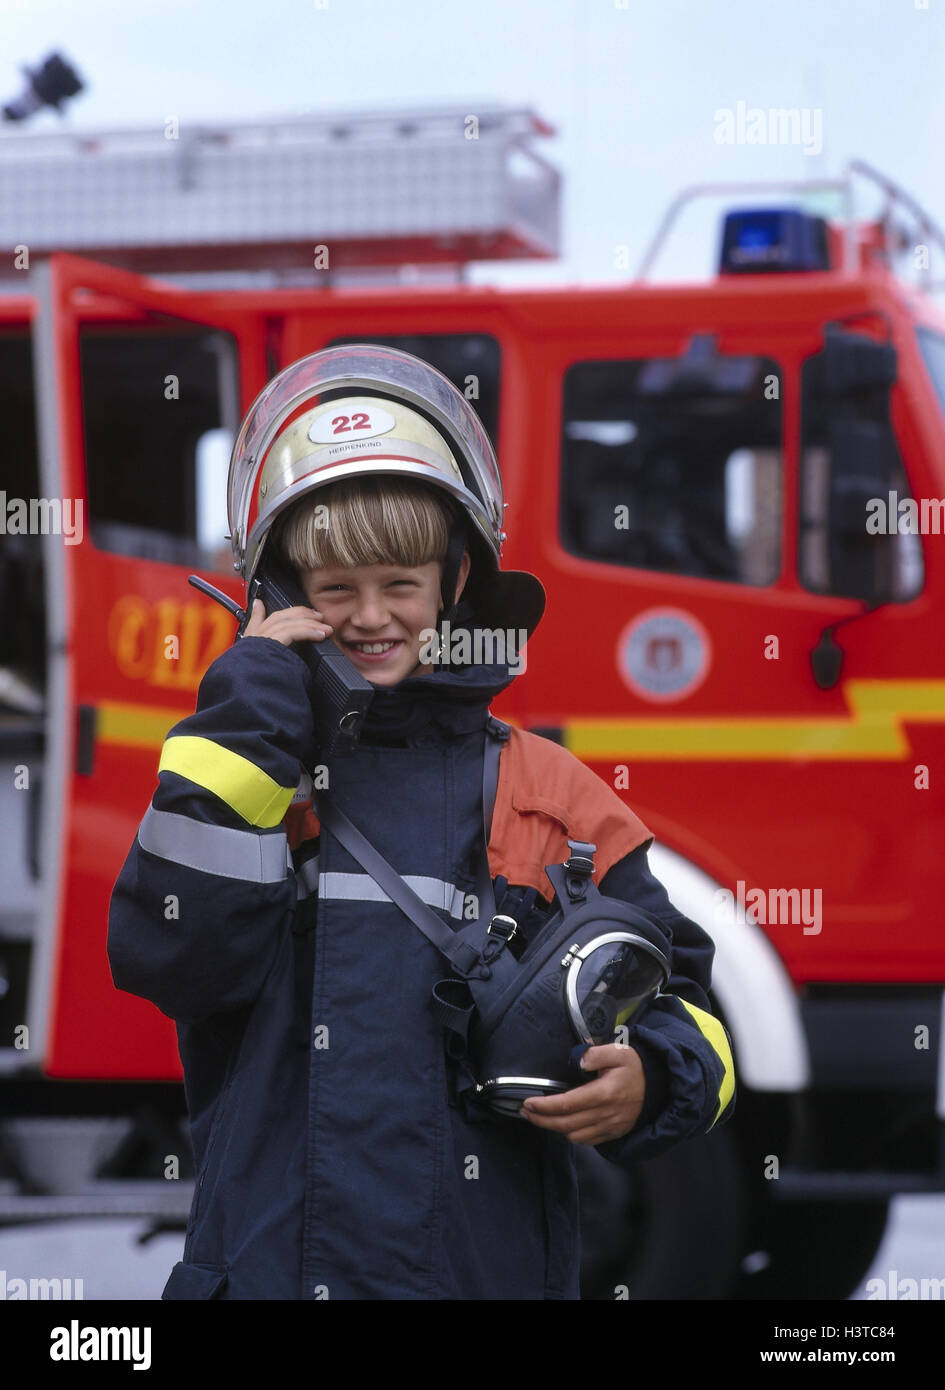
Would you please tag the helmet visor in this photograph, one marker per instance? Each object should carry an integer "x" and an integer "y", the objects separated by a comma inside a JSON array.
[{"x": 609, "y": 981}]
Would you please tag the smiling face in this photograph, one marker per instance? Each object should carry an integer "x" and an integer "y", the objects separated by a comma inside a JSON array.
[
  {"x": 378, "y": 613},
  {"x": 368, "y": 553}
]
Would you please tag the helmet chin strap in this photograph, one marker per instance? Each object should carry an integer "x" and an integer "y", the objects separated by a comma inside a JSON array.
[{"x": 455, "y": 547}]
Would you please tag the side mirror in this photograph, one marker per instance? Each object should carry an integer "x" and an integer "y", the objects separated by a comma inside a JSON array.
[
  {"x": 863, "y": 467},
  {"x": 853, "y": 363}
]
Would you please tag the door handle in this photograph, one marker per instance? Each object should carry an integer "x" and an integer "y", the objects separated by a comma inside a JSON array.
[{"x": 86, "y": 728}]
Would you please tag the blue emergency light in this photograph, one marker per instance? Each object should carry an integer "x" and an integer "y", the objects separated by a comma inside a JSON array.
[{"x": 763, "y": 240}]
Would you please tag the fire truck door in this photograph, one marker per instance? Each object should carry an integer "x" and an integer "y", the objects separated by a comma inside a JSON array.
[{"x": 139, "y": 385}]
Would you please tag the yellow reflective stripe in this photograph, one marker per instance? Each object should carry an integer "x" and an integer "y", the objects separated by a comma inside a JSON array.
[
  {"x": 234, "y": 779},
  {"x": 714, "y": 1033},
  {"x": 872, "y": 731}
]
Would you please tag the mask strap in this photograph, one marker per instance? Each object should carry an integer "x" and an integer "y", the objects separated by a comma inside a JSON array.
[{"x": 454, "y": 554}]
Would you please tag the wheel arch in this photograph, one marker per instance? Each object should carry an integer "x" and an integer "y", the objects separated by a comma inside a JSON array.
[{"x": 753, "y": 989}]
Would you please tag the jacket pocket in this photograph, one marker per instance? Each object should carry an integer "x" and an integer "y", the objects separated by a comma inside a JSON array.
[
  {"x": 188, "y": 1281},
  {"x": 211, "y": 1140},
  {"x": 528, "y": 833}
]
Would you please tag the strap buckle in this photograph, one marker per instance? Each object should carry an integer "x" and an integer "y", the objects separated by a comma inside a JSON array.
[
  {"x": 578, "y": 869},
  {"x": 501, "y": 931},
  {"x": 581, "y": 860}
]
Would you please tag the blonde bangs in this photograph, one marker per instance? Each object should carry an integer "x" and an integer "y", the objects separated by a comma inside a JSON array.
[{"x": 366, "y": 521}]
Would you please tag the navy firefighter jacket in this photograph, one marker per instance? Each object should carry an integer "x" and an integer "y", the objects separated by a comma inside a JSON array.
[{"x": 332, "y": 1157}]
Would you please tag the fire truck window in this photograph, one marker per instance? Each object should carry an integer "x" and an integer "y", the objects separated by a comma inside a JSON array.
[
  {"x": 932, "y": 346},
  {"x": 677, "y": 472},
  {"x": 213, "y": 466},
  {"x": 469, "y": 360},
  {"x": 158, "y": 408},
  {"x": 22, "y": 612},
  {"x": 850, "y": 465}
]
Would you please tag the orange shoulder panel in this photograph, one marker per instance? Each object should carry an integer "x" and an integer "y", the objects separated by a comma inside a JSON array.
[{"x": 545, "y": 797}]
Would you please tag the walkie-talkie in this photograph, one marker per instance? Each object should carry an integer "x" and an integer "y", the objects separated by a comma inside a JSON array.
[{"x": 342, "y": 696}]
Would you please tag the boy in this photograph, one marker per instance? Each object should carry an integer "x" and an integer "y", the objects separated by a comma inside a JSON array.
[{"x": 336, "y": 1155}]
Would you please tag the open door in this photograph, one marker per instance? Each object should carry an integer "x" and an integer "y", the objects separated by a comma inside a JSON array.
[{"x": 140, "y": 387}]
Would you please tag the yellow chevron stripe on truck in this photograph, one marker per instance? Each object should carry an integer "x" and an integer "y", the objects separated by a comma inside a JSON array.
[{"x": 873, "y": 731}]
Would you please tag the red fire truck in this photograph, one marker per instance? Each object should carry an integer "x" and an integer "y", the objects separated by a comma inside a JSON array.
[{"x": 743, "y": 635}]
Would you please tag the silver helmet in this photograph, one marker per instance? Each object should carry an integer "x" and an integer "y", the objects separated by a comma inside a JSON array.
[{"x": 387, "y": 412}]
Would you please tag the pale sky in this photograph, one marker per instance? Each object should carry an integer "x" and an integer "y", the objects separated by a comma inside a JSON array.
[{"x": 632, "y": 86}]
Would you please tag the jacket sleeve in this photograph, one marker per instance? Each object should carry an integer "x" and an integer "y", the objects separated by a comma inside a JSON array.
[
  {"x": 207, "y": 890},
  {"x": 685, "y": 1051}
]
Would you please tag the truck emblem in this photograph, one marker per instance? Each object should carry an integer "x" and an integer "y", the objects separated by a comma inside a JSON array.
[{"x": 663, "y": 654}]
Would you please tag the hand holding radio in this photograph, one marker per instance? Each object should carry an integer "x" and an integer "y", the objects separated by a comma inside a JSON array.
[
  {"x": 287, "y": 625},
  {"x": 341, "y": 695}
]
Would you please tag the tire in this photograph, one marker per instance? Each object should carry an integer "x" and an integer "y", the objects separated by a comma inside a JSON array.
[
  {"x": 817, "y": 1250},
  {"x": 668, "y": 1228}
]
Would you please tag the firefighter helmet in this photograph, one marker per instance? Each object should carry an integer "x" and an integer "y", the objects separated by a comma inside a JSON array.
[{"x": 362, "y": 410}]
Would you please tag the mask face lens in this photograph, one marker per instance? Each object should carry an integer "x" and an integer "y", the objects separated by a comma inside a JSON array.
[{"x": 611, "y": 983}]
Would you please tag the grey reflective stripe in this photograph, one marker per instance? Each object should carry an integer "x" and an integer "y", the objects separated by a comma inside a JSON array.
[
  {"x": 215, "y": 849},
  {"x": 362, "y": 888},
  {"x": 307, "y": 877}
]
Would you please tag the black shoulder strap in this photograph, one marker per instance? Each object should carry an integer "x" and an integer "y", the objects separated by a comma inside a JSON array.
[
  {"x": 462, "y": 954},
  {"x": 497, "y": 734}
]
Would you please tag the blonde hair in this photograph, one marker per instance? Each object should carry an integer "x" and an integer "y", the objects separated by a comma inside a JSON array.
[{"x": 366, "y": 521}]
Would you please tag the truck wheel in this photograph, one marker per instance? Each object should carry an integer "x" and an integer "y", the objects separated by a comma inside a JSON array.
[
  {"x": 813, "y": 1249},
  {"x": 670, "y": 1227}
]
